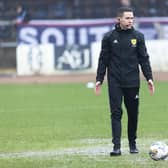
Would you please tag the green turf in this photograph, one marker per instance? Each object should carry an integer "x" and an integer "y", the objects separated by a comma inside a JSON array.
[{"x": 52, "y": 117}]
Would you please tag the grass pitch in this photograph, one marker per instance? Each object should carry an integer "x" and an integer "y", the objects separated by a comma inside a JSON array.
[{"x": 67, "y": 126}]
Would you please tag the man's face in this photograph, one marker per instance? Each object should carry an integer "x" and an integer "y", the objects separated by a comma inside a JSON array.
[{"x": 126, "y": 20}]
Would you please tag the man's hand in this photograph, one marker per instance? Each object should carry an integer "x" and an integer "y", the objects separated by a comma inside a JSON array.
[
  {"x": 98, "y": 88},
  {"x": 151, "y": 86}
]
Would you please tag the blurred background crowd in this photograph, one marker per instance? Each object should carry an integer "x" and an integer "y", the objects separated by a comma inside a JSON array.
[
  {"x": 67, "y": 9},
  {"x": 72, "y": 9}
]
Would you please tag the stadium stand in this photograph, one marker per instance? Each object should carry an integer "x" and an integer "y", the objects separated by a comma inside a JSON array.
[
  {"x": 75, "y": 9},
  {"x": 69, "y": 9},
  {"x": 63, "y": 9}
]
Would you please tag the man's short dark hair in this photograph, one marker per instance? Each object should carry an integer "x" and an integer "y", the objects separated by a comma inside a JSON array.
[{"x": 121, "y": 10}]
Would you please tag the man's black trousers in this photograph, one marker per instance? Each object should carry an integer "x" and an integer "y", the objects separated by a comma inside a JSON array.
[{"x": 130, "y": 95}]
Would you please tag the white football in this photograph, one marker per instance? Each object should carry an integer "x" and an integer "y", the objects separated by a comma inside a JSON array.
[{"x": 158, "y": 151}]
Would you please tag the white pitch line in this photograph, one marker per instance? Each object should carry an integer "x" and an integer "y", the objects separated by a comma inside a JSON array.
[
  {"x": 90, "y": 151},
  {"x": 84, "y": 151},
  {"x": 99, "y": 147}
]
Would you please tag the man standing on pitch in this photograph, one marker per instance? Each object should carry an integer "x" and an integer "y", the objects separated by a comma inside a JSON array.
[{"x": 123, "y": 50}]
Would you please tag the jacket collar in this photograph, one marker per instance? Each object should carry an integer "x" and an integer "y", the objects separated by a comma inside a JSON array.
[{"x": 118, "y": 28}]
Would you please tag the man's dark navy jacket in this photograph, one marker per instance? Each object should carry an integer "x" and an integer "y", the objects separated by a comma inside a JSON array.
[{"x": 121, "y": 54}]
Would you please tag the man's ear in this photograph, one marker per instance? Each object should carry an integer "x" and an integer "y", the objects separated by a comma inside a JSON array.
[{"x": 118, "y": 19}]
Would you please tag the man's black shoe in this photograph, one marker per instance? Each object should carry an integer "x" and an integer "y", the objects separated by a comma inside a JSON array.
[
  {"x": 115, "y": 152},
  {"x": 134, "y": 150}
]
